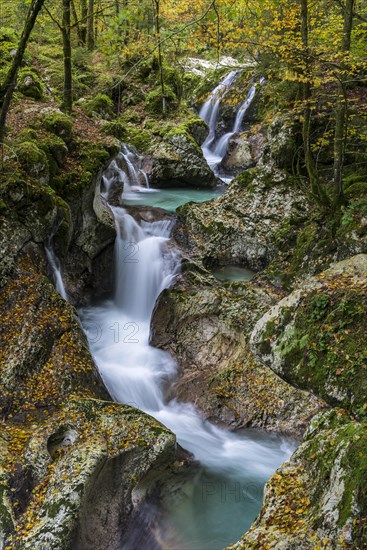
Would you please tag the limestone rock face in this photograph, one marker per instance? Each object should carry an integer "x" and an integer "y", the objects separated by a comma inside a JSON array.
[
  {"x": 178, "y": 160},
  {"x": 239, "y": 156},
  {"x": 241, "y": 226},
  {"x": 315, "y": 338},
  {"x": 316, "y": 500},
  {"x": 81, "y": 466},
  {"x": 206, "y": 326}
]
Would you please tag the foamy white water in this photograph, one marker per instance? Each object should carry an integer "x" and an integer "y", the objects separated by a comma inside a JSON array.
[
  {"x": 136, "y": 373},
  {"x": 214, "y": 150}
]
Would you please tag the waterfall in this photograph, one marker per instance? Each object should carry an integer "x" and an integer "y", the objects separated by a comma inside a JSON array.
[
  {"x": 136, "y": 373},
  {"x": 55, "y": 266},
  {"x": 214, "y": 150},
  {"x": 126, "y": 169},
  {"x": 210, "y": 110}
]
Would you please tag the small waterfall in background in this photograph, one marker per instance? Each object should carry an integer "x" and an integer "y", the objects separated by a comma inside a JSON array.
[
  {"x": 214, "y": 149},
  {"x": 126, "y": 169},
  {"x": 137, "y": 374},
  {"x": 55, "y": 266}
]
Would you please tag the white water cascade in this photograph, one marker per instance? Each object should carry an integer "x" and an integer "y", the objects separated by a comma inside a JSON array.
[
  {"x": 126, "y": 169},
  {"x": 215, "y": 150},
  {"x": 55, "y": 266},
  {"x": 137, "y": 374}
]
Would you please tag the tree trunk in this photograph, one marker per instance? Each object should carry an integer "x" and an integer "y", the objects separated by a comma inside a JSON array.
[
  {"x": 306, "y": 96},
  {"x": 90, "y": 26},
  {"x": 76, "y": 23},
  {"x": 160, "y": 61},
  {"x": 83, "y": 22},
  {"x": 66, "y": 46},
  {"x": 10, "y": 82},
  {"x": 341, "y": 114}
]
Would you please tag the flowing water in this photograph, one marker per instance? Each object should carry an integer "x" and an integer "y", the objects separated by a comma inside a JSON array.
[
  {"x": 230, "y": 273},
  {"x": 137, "y": 374},
  {"x": 214, "y": 150},
  {"x": 171, "y": 199},
  {"x": 225, "y": 494},
  {"x": 55, "y": 267}
]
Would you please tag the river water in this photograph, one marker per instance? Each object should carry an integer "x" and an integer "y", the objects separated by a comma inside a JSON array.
[{"x": 226, "y": 495}]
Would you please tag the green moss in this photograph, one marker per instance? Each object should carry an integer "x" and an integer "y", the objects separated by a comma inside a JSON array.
[
  {"x": 29, "y": 84},
  {"x": 55, "y": 148},
  {"x": 338, "y": 439},
  {"x": 8, "y": 42},
  {"x": 92, "y": 156},
  {"x": 33, "y": 160},
  {"x": 59, "y": 124},
  {"x": 100, "y": 105},
  {"x": 326, "y": 350},
  {"x": 141, "y": 139},
  {"x": 154, "y": 100},
  {"x": 115, "y": 129}
]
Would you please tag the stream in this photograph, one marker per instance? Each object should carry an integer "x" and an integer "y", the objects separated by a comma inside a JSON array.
[{"x": 225, "y": 493}]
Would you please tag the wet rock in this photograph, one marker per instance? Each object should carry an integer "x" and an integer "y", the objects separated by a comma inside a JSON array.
[
  {"x": 241, "y": 226},
  {"x": 206, "y": 326},
  {"x": 315, "y": 337},
  {"x": 316, "y": 500},
  {"x": 80, "y": 495},
  {"x": 178, "y": 160}
]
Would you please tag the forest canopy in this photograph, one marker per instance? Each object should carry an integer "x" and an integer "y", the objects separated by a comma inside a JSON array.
[{"x": 314, "y": 53}]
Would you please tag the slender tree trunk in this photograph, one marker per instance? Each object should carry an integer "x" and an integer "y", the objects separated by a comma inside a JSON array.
[
  {"x": 310, "y": 164},
  {"x": 10, "y": 82},
  {"x": 66, "y": 46},
  {"x": 90, "y": 26},
  {"x": 76, "y": 23},
  {"x": 160, "y": 61},
  {"x": 83, "y": 23},
  {"x": 341, "y": 114}
]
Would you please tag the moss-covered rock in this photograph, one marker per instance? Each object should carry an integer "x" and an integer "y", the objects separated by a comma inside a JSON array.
[
  {"x": 316, "y": 337},
  {"x": 178, "y": 159},
  {"x": 33, "y": 160},
  {"x": 206, "y": 326},
  {"x": 81, "y": 466},
  {"x": 317, "y": 499},
  {"x": 154, "y": 100},
  {"x": 30, "y": 85},
  {"x": 58, "y": 123},
  {"x": 100, "y": 105},
  {"x": 241, "y": 226}
]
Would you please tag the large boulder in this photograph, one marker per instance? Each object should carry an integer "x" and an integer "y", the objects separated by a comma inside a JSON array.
[
  {"x": 316, "y": 338},
  {"x": 71, "y": 482},
  {"x": 179, "y": 160},
  {"x": 242, "y": 225},
  {"x": 206, "y": 326}
]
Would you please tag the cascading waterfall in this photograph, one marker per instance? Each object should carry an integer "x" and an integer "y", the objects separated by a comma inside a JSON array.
[
  {"x": 126, "y": 169},
  {"x": 136, "y": 373},
  {"x": 210, "y": 110},
  {"x": 55, "y": 266},
  {"x": 215, "y": 150}
]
